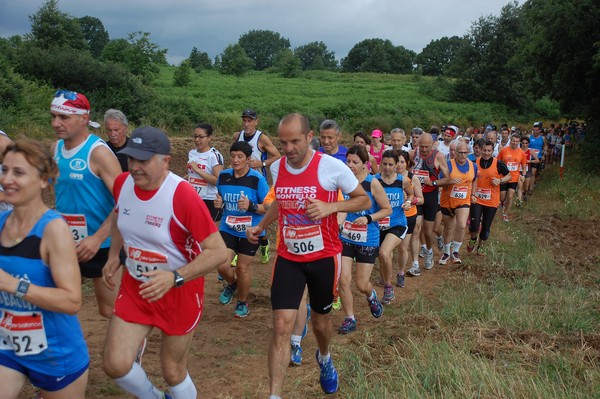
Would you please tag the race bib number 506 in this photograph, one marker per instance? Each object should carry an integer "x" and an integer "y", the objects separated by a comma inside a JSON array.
[{"x": 303, "y": 240}]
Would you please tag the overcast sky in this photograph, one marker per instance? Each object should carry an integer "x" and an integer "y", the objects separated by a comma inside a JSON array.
[{"x": 211, "y": 25}]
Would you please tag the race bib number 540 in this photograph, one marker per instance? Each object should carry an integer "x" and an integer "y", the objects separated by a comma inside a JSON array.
[{"x": 303, "y": 240}]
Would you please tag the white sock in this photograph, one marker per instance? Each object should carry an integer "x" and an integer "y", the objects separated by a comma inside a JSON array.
[
  {"x": 184, "y": 390},
  {"x": 415, "y": 263},
  {"x": 447, "y": 248},
  {"x": 323, "y": 358},
  {"x": 274, "y": 397},
  {"x": 372, "y": 296},
  {"x": 424, "y": 246},
  {"x": 296, "y": 339},
  {"x": 456, "y": 246},
  {"x": 136, "y": 382}
]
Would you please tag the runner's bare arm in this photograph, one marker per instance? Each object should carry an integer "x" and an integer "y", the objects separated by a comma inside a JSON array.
[
  {"x": 113, "y": 262},
  {"x": 253, "y": 233},
  {"x": 268, "y": 147}
]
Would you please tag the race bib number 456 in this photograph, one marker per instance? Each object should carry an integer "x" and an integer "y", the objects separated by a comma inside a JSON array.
[
  {"x": 22, "y": 332},
  {"x": 303, "y": 240}
]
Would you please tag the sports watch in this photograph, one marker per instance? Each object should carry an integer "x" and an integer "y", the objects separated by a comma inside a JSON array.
[
  {"x": 22, "y": 288},
  {"x": 434, "y": 183},
  {"x": 178, "y": 279},
  {"x": 264, "y": 164}
]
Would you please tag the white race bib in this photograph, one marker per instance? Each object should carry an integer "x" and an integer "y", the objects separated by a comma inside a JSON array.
[
  {"x": 22, "y": 332},
  {"x": 421, "y": 174},
  {"x": 483, "y": 193},
  {"x": 459, "y": 192},
  {"x": 78, "y": 226},
  {"x": 303, "y": 240},
  {"x": 199, "y": 184},
  {"x": 354, "y": 232},
  {"x": 142, "y": 261},
  {"x": 239, "y": 223},
  {"x": 384, "y": 223},
  {"x": 512, "y": 166}
]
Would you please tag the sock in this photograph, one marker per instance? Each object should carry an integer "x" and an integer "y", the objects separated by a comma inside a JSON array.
[
  {"x": 401, "y": 273},
  {"x": 415, "y": 263},
  {"x": 184, "y": 390},
  {"x": 424, "y": 246},
  {"x": 439, "y": 238},
  {"x": 430, "y": 251},
  {"x": 456, "y": 246},
  {"x": 274, "y": 397},
  {"x": 323, "y": 358},
  {"x": 351, "y": 316},
  {"x": 296, "y": 339},
  {"x": 373, "y": 295},
  {"x": 136, "y": 382},
  {"x": 447, "y": 248}
]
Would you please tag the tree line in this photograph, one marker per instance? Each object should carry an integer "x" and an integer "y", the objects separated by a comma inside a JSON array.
[{"x": 537, "y": 52}]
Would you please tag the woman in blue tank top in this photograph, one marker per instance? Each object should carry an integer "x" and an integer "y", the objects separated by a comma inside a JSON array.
[
  {"x": 40, "y": 283},
  {"x": 360, "y": 240}
]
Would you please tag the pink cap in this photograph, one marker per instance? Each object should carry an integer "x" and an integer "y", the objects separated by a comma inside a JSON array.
[{"x": 376, "y": 133}]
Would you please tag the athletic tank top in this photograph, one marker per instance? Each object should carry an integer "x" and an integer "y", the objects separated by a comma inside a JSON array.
[
  {"x": 395, "y": 194},
  {"x": 256, "y": 152},
  {"x": 48, "y": 342},
  {"x": 377, "y": 155},
  {"x": 425, "y": 167},
  {"x": 487, "y": 194},
  {"x": 302, "y": 239},
  {"x": 81, "y": 196},
  {"x": 365, "y": 235},
  {"x": 460, "y": 194},
  {"x": 536, "y": 145}
]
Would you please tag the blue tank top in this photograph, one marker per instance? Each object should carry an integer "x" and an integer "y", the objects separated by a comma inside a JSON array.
[
  {"x": 48, "y": 342},
  {"x": 366, "y": 236},
  {"x": 81, "y": 196},
  {"x": 254, "y": 186},
  {"x": 395, "y": 194},
  {"x": 537, "y": 144}
]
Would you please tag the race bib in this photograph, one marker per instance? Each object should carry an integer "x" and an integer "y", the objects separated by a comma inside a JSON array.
[
  {"x": 459, "y": 192},
  {"x": 384, "y": 223},
  {"x": 512, "y": 166},
  {"x": 22, "y": 332},
  {"x": 142, "y": 261},
  {"x": 535, "y": 152},
  {"x": 239, "y": 223},
  {"x": 77, "y": 225},
  {"x": 421, "y": 174},
  {"x": 354, "y": 232},
  {"x": 199, "y": 184},
  {"x": 303, "y": 240},
  {"x": 483, "y": 193}
]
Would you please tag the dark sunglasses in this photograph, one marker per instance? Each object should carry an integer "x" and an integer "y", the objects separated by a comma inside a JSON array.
[{"x": 69, "y": 95}]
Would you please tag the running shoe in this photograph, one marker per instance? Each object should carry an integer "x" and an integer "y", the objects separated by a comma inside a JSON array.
[
  {"x": 234, "y": 261},
  {"x": 414, "y": 271},
  {"x": 166, "y": 395},
  {"x": 348, "y": 326},
  {"x": 440, "y": 243},
  {"x": 264, "y": 254},
  {"x": 422, "y": 252},
  {"x": 444, "y": 259},
  {"x": 337, "y": 303},
  {"x": 375, "y": 306},
  {"x": 455, "y": 259},
  {"x": 480, "y": 251},
  {"x": 296, "y": 355},
  {"x": 329, "y": 375},
  {"x": 388, "y": 295},
  {"x": 471, "y": 245},
  {"x": 141, "y": 349},
  {"x": 505, "y": 218},
  {"x": 305, "y": 330},
  {"x": 400, "y": 280},
  {"x": 429, "y": 261},
  {"x": 241, "y": 310},
  {"x": 227, "y": 294}
]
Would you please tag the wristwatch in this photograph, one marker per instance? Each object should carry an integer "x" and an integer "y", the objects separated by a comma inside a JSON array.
[
  {"x": 178, "y": 279},
  {"x": 264, "y": 164},
  {"x": 22, "y": 288},
  {"x": 434, "y": 183}
]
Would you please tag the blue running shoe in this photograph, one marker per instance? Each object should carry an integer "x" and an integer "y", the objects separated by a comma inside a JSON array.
[
  {"x": 241, "y": 310},
  {"x": 305, "y": 331},
  {"x": 375, "y": 306},
  {"x": 348, "y": 326},
  {"x": 227, "y": 294},
  {"x": 329, "y": 375},
  {"x": 296, "y": 356}
]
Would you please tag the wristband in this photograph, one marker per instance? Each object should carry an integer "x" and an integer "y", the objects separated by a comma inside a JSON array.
[
  {"x": 414, "y": 201},
  {"x": 369, "y": 218},
  {"x": 251, "y": 206}
]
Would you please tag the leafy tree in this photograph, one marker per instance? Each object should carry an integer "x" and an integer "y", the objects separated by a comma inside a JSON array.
[
  {"x": 438, "y": 56},
  {"x": 315, "y": 56},
  {"x": 287, "y": 64},
  {"x": 235, "y": 61},
  {"x": 94, "y": 34},
  {"x": 183, "y": 74},
  {"x": 199, "y": 60},
  {"x": 378, "y": 55},
  {"x": 263, "y": 46},
  {"x": 52, "y": 28}
]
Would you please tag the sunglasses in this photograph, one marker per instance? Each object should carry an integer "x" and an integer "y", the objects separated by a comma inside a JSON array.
[{"x": 69, "y": 95}]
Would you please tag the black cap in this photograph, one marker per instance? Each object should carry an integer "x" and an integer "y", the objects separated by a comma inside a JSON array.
[
  {"x": 146, "y": 142},
  {"x": 537, "y": 124},
  {"x": 250, "y": 113}
]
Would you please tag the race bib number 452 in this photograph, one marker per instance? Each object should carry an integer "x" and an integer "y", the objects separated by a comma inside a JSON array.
[
  {"x": 303, "y": 240},
  {"x": 22, "y": 332}
]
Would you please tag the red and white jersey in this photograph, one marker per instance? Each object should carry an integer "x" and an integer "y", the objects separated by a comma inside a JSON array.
[
  {"x": 206, "y": 161},
  {"x": 300, "y": 238},
  {"x": 161, "y": 229}
]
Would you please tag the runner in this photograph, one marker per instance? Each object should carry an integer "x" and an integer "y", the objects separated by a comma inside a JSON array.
[
  {"x": 429, "y": 162},
  {"x": 448, "y": 135},
  {"x": 205, "y": 163},
  {"x": 377, "y": 147},
  {"x": 539, "y": 148},
  {"x": 5, "y": 141},
  {"x": 171, "y": 243},
  {"x": 88, "y": 169},
  {"x": 40, "y": 336},
  {"x": 116, "y": 124},
  {"x": 398, "y": 139},
  {"x": 531, "y": 159},
  {"x": 306, "y": 188},
  {"x": 455, "y": 201},
  {"x": 415, "y": 133},
  {"x": 360, "y": 240},
  {"x": 491, "y": 173},
  {"x": 516, "y": 161},
  {"x": 264, "y": 153},
  {"x": 361, "y": 139},
  {"x": 242, "y": 191},
  {"x": 329, "y": 135}
]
